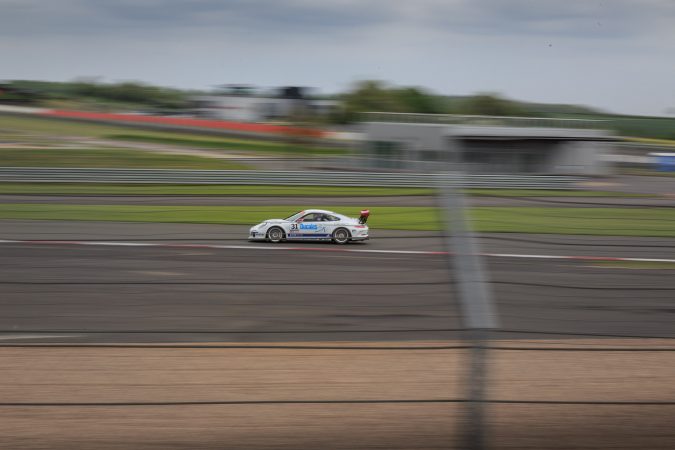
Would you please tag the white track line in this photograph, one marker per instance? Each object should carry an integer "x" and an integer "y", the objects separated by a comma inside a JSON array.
[{"x": 328, "y": 250}]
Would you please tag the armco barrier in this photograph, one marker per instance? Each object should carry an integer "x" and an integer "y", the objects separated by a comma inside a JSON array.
[{"x": 251, "y": 177}]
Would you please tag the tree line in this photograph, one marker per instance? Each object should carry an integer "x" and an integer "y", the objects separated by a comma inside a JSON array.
[{"x": 362, "y": 96}]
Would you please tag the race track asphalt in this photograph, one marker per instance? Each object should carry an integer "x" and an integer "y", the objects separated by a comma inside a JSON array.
[
  {"x": 156, "y": 294},
  {"x": 541, "y": 244},
  {"x": 328, "y": 202}
]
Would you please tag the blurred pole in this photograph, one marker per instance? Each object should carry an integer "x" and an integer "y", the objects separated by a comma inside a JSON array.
[{"x": 478, "y": 310}]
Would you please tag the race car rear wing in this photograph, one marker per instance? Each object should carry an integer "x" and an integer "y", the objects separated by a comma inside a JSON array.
[{"x": 363, "y": 218}]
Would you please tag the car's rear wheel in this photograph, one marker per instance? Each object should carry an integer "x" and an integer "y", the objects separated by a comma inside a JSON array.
[
  {"x": 275, "y": 234},
  {"x": 341, "y": 236}
]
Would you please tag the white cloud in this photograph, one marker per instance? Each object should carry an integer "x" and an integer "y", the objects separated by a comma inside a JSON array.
[{"x": 599, "y": 52}]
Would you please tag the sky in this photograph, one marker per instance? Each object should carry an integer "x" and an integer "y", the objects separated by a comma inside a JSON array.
[{"x": 614, "y": 55}]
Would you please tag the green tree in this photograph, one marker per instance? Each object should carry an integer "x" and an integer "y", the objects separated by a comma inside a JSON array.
[
  {"x": 415, "y": 100},
  {"x": 490, "y": 104},
  {"x": 377, "y": 96}
]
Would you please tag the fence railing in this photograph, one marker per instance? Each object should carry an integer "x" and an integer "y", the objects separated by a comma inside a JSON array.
[
  {"x": 272, "y": 177},
  {"x": 507, "y": 121}
]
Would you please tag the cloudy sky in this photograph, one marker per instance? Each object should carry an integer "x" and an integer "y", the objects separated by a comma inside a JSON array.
[{"x": 617, "y": 55}]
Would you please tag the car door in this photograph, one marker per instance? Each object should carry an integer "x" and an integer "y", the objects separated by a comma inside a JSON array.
[{"x": 310, "y": 226}]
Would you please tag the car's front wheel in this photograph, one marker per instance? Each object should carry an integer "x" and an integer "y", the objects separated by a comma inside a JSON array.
[
  {"x": 275, "y": 235},
  {"x": 341, "y": 236}
]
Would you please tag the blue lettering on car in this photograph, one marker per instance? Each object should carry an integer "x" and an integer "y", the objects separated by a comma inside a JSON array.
[{"x": 308, "y": 226}]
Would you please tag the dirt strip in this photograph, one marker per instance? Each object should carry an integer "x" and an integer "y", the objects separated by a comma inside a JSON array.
[{"x": 272, "y": 383}]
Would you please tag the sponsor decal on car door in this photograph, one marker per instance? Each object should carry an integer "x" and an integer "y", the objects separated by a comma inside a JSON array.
[{"x": 311, "y": 227}]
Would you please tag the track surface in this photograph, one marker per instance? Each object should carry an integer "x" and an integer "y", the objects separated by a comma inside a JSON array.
[
  {"x": 636, "y": 184},
  {"x": 543, "y": 244},
  {"x": 327, "y": 202},
  {"x": 78, "y": 294}
]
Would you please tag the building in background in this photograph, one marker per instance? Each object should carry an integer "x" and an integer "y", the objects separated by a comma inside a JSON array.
[
  {"x": 243, "y": 103},
  {"x": 484, "y": 144}
]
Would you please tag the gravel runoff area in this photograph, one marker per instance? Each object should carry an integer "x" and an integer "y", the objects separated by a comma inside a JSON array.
[{"x": 130, "y": 384}]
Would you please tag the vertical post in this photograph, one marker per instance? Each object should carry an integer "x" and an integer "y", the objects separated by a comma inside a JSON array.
[{"x": 475, "y": 300}]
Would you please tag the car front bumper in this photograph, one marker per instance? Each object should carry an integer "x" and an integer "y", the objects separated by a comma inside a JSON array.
[{"x": 256, "y": 236}]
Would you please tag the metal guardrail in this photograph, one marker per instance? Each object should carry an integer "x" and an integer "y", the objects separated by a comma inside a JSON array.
[
  {"x": 253, "y": 177},
  {"x": 505, "y": 121}
]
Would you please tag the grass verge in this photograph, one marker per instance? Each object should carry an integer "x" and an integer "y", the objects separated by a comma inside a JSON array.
[
  {"x": 552, "y": 193},
  {"x": 413, "y": 218},
  {"x": 109, "y": 158},
  {"x": 658, "y": 222},
  {"x": 36, "y": 127},
  {"x": 226, "y": 144},
  {"x": 664, "y": 142},
  {"x": 57, "y": 127},
  {"x": 574, "y": 221}
]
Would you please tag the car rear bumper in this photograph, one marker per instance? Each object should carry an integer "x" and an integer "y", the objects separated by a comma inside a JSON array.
[{"x": 360, "y": 238}]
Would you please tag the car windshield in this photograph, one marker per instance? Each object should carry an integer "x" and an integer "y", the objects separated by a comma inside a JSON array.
[{"x": 295, "y": 216}]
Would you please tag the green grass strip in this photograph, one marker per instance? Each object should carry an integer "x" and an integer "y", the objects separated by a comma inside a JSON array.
[
  {"x": 40, "y": 127},
  {"x": 55, "y": 126},
  {"x": 109, "y": 158},
  {"x": 575, "y": 221},
  {"x": 413, "y": 218},
  {"x": 228, "y": 144},
  {"x": 477, "y": 192},
  {"x": 582, "y": 221}
]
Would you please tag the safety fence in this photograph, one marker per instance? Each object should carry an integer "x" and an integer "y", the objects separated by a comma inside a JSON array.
[
  {"x": 273, "y": 177},
  {"x": 481, "y": 120}
]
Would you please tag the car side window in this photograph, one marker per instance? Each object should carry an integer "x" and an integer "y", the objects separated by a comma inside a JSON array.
[{"x": 319, "y": 217}]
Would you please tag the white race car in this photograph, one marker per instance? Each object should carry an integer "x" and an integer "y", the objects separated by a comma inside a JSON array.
[{"x": 312, "y": 224}]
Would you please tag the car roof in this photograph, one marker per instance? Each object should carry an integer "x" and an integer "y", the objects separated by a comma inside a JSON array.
[
  {"x": 325, "y": 211},
  {"x": 322, "y": 211}
]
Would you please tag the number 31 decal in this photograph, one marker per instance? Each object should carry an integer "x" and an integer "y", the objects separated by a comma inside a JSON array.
[{"x": 294, "y": 226}]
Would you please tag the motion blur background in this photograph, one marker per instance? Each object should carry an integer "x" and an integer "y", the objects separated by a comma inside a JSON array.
[{"x": 517, "y": 158}]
